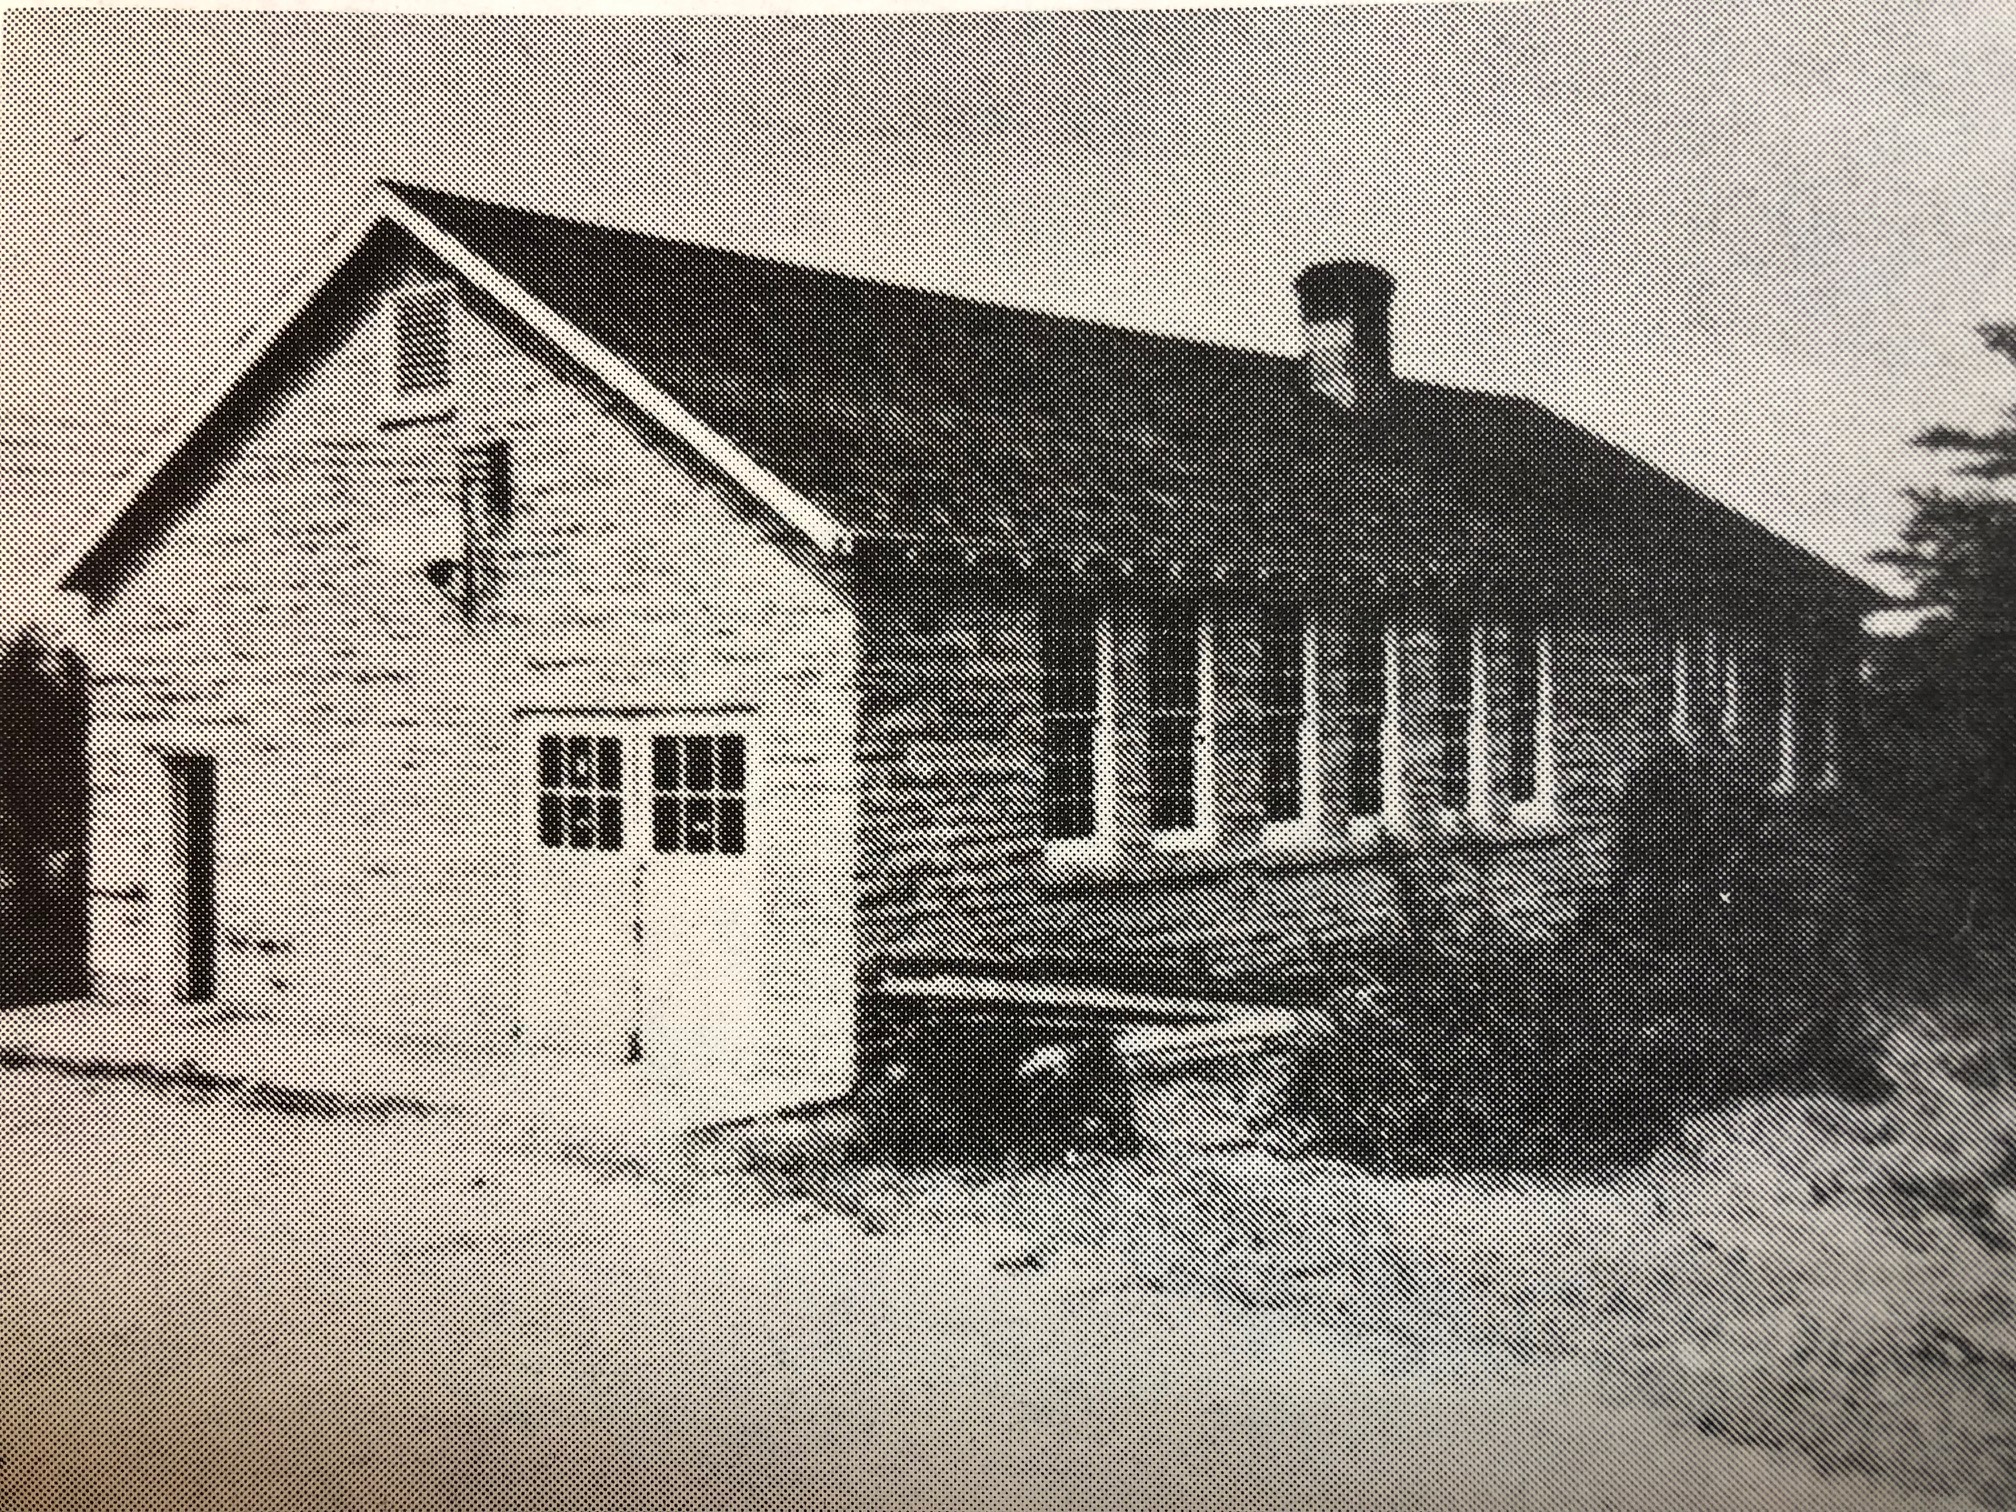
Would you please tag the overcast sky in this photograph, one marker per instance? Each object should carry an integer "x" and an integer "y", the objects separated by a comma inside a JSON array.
[{"x": 1750, "y": 244}]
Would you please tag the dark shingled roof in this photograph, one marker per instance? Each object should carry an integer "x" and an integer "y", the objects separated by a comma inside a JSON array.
[{"x": 935, "y": 421}]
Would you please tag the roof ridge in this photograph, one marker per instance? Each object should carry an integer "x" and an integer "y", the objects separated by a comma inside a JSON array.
[{"x": 407, "y": 192}]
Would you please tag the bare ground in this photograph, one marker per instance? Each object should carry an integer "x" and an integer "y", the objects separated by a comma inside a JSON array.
[{"x": 207, "y": 1304}]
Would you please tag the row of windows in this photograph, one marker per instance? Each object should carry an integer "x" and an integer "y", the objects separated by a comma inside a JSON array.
[
  {"x": 1777, "y": 702},
  {"x": 1177, "y": 718},
  {"x": 698, "y": 796}
]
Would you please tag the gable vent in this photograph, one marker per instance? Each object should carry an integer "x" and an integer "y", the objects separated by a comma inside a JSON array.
[{"x": 420, "y": 327}]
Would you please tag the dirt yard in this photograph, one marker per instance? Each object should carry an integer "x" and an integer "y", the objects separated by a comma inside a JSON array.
[{"x": 210, "y": 1305}]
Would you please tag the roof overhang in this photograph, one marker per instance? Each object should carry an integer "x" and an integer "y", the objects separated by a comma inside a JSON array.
[{"x": 382, "y": 209}]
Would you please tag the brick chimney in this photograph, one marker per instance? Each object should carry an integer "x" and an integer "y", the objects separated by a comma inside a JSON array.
[{"x": 1347, "y": 337}]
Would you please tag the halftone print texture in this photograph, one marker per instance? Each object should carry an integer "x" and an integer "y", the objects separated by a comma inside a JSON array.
[{"x": 880, "y": 762}]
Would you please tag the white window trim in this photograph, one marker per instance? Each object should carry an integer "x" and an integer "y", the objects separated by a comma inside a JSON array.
[
  {"x": 1203, "y": 831},
  {"x": 1097, "y": 848},
  {"x": 396, "y": 406},
  {"x": 1542, "y": 807},
  {"x": 1307, "y": 829}
]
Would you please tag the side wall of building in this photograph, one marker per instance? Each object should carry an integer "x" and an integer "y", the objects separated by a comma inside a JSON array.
[
  {"x": 371, "y": 783},
  {"x": 953, "y": 858}
]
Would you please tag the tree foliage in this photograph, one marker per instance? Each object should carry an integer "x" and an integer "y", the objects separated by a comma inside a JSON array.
[
  {"x": 1958, "y": 552},
  {"x": 42, "y": 822}
]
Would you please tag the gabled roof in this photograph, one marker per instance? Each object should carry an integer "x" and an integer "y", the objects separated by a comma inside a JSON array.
[{"x": 864, "y": 412}]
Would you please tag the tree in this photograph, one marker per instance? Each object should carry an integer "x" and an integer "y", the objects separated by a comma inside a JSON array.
[
  {"x": 1945, "y": 705},
  {"x": 42, "y": 823},
  {"x": 1958, "y": 553}
]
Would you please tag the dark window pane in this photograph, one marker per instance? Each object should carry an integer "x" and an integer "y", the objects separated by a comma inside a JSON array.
[
  {"x": 1453, "y": 662},
  {"x": 664, "y": 763},
  {"x": 1070, "y": 650},
  {"x": 699, "y": 823},
  {"x": 551, "y": 767},
  {"x": 1172, "y": 661},
  {"x": 609, "y": 761},
  {"x": 732, "y": 774},
  {"x": 664, "y": 822},
  {"x": 1364, "y": 779},
  {"x": 552, "y": 822},
  {"x": 1525, "y": 688},
  {"x": 1172, "y": 773},
  {"x": 580, "y": 762},
  {"x": 734, "y": 837},
  {"x": 609, "y": 836},
  {"x": 1520, "y": 780},
  {"x": 581, "y": 822},
  {"x": 699, "y": 763},
  {"x": 1068, "y": 779},
  {"x": 1281, "y": 768},
  {"x": 1455, "y": 758},
  {"x": 1365, "y": 666},
  {"x": 1281, "y": 658}
]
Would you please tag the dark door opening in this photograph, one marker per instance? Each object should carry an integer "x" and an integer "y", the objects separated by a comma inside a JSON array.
[{"x": 193, "y": 815}]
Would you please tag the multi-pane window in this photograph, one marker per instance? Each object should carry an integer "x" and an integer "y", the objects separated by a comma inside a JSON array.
[
  {"x": 1363, "y": 714},
  {"x": 1284, "y": 710},
  {"x": 581, "y": 792},
  {"x": 1174, "y": 706},
  {"x": 1071, "y": 721},
  {"x": 1525, "y": 689},
  {"x": 1455, "y": 692},
  {"x": 421, "y": 322},
  {"x": 699, "y": 794}
]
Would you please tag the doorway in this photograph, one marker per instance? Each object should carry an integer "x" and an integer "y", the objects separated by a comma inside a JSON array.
[
  {"x": 189, "y": 950},
  {"x": 642, "y": 898}
]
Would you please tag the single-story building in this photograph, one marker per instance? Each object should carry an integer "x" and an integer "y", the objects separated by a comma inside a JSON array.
[{"x": 548, "y": 630}]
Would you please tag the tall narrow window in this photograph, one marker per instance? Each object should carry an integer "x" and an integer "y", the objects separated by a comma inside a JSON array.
[
  {"x": 1455, "y": 693},
  {"x": 1072, "y": 720},
  {"x": 581, "y": 792},
  {"x": 1364, "y": 717},
  {"x": 1175, "y": 705},
  {"x": 1701, "y": 683},
  {"x": 1529, "y": 758},
  {"x": 421, "y": 324},
  {"x": 1284, "y": 713}
]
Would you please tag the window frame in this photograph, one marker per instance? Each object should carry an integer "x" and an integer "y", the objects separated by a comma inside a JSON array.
[
  {"x": 1541, "y": 807},
  {"x": 402, "y": 405},
  {"x": 1070, "y": 851},
  {"x": 1202, "y": 829},
  {"x": 1703, "y": 684},
  {"x": 1307, "y": 825},
  {"x": 1476, "y": 764}
]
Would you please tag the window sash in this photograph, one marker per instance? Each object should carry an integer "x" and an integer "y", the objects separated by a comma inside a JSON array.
[
  {"x": 699, "y": 795},
  {"x": 1455, "y": 698},
  {"x": 1363, "y": 696},
  {"x": 1284, "y": 707},
  {"x": 1175, "y": 707},
  {"x": 1526, "y": 687},
  {"x": 1073, "y": 721},
  {"x": 580, "y": 792}
]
